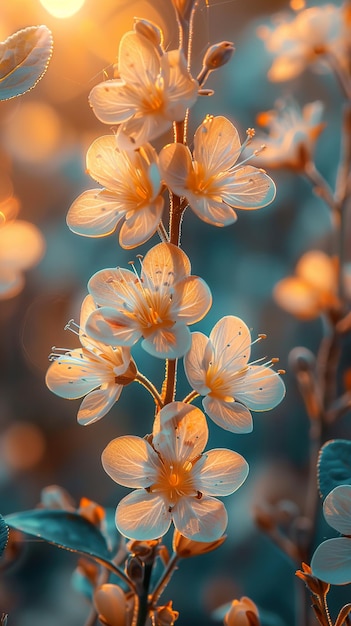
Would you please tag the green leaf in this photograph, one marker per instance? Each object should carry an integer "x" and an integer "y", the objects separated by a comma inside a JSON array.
[
  {"x": 64, "y": 529},
  {"x": 24, "y": 57},
  {"x": 4, "y": 535},
  {"x": 334, "y": 465}
]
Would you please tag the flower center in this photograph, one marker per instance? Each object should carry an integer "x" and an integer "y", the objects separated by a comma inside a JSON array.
[{"x": 174, "y": 482}]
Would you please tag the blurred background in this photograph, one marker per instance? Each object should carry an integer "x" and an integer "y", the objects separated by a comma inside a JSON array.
[{"x": 44, "y": 136}]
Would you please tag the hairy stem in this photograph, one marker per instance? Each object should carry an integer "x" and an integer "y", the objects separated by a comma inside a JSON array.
[{"x": 140, "y": 378}]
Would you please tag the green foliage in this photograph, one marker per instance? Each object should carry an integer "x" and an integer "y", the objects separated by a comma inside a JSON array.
[
  {"x": 334, "y": 465},
  {"x": 64, "y": 529}
]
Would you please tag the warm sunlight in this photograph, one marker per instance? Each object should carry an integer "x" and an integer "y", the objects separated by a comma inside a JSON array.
[{"x": 62, "y": 8}]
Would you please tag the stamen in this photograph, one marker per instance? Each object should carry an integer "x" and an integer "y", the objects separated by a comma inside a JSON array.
[{"x": 70, "y": 326}]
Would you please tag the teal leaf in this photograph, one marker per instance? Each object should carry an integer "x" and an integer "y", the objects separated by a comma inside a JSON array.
[
  {"x": 24, "y": 57},
  {"x": 334, "y": 465},
  {"x": 4, "y": 535},
  {"x": 64, "y": 529}
]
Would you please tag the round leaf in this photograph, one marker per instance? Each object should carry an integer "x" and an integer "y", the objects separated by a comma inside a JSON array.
[
  {"x": 24, "y": 57},
  {"x": 334, "y": 465}
]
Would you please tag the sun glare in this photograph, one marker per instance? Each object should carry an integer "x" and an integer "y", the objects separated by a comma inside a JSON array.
[{"x": 62, "y": 8}]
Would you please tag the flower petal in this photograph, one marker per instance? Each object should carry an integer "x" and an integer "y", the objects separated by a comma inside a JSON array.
[
  {"x": 231, "y": 416},
  {"x": 164, "y": 264},
  {"x": 140, "y": 129},
  {"x": 193, "y": 299},
  {"x": 181, "y": 89},
  {"x": 231, "y": 341},
  {"x": 75, "y": 374},
  {"x": 261, "y": 389},
  {"x": 97, "y": 403},
  {"x": 169, "y": 342},
  {"x": 111, "y": 327},
  {"x": 200, "y": 520},
  {"x": 102, "y": 160},
  {"x": 222, "y": 472},
  {"x": 142, "y": 224},
  {"x": 138, "y": 59},
  {"x": 180, "y": 432},
  {"x": 131, "y": 461},
  {"x": 111, "y": 287},
  {"x": 142, "y": 516},
  {"x": 111, "y": 102},
  {"x": 249, "y": 188},
  {"x": 216, "y": 144},
  {"x": 94, "y": 213},
  {"x": 196, "y": 362},
  {"x": 337, "y": 509},
  {"x": 176, "y": 165},
  {"x": 211, "y": 209},
  {"x": 331, "y": 561}
]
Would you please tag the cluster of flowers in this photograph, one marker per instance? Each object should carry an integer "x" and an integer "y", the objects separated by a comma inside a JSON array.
[{"x": 174, "y": 479}]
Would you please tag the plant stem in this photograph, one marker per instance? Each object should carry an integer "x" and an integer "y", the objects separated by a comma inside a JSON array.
[
  {"x": 143, "y": 607},
  {"x": 191, "y": 396},
  {"x": 140, "y": 378},
  {"x": 165, "y": 578},
  {"x": 170, "y": 381}
]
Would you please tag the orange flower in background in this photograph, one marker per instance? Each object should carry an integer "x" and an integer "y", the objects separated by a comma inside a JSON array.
[
  {"x": 157, "y": 306},
  {"x": 95, "y": 370},
  {"x": 174, "y": 480},
  {"x": 153, "y": 90},
  {"x": 292, "y": 134},
  {"x": 243, "y": 612},
  {"x": 132, "y": 185},
  {"x": 312, "y": 290},
  {"x": 316, "y": 36},
  {"x": 211, "y": 180},
  {"x": 21, "y": 247}
]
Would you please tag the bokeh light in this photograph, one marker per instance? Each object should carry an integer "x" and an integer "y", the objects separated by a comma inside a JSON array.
[
  {"x": 62, "y": 8},
  {"x": 33, "y": 132}
]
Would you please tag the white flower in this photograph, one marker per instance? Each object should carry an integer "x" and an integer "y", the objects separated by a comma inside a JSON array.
[
  {"x": 211, "y": 181},
  {"x": 131, "y": 194},
  {"x": 153, "y": 90},
  {"x": 292, "y": 134},
  {"x": 174, "y": 479},
  {"x": 315, "y": 36},
  {"x": 157, "y": 306},
  {"x": 96, "y": 371},
  {"x": 218, "y": 368}
]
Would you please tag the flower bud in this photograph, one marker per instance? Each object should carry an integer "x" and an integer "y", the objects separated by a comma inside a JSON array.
[
  {"x": 165, "y": 615},
  {"x": 186, "y": 548},
  {"x": 217, "y": 55},
  {"x": 113, "y": 606},
  {"x": 318, "y": 587},
  {"x": 135, "y": 569},
  {"x": 149, "y": 30},
  {"x": 144, "y": 550},
  {"x": 242, "y": 612}
]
